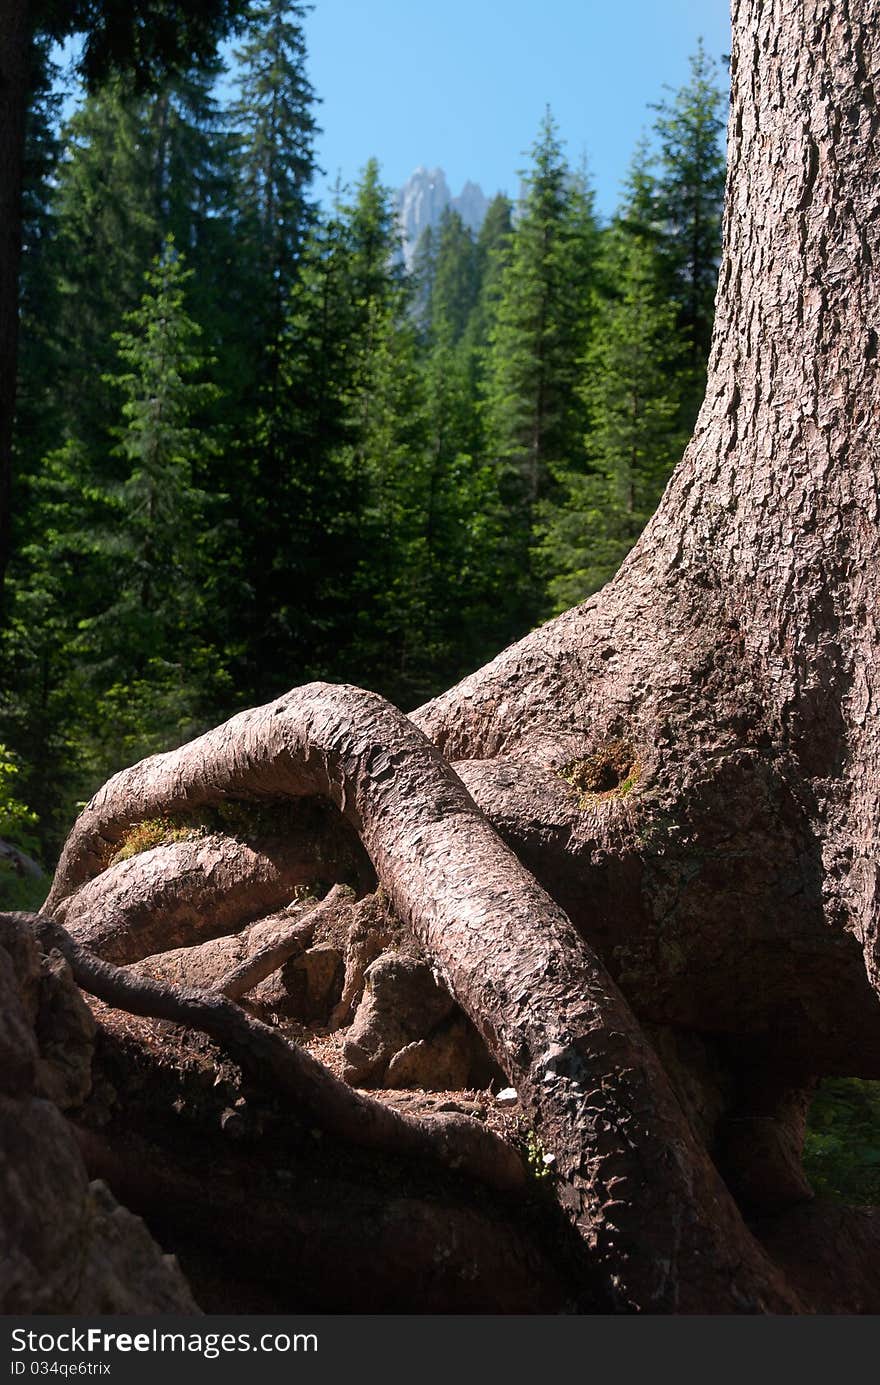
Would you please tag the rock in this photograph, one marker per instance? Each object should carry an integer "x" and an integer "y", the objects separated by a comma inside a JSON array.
[
  {"x": 424, "y": 198},
  {"x": 408, "y": 1032},
  {"x": 19, "y": 1054},
  {"x": 402, "y": 1003},
  {"x": 444, "y": 1062},
  {"x": 506, "y": 1097},
  {"x": 65, "y": 1034},
  {"x": 306, "y": 988},
  {"x": 66, "y": 1245},
  {"x": 324, "y": 972}
]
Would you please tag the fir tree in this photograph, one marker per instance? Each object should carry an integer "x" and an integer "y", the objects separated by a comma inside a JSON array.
[
  {"x": 541, "y": 327},
  {"x": 148, "y": 651},
  {"x": 275, "y": 128},
  {"x": 422, "y": 272},
  {"x": 456, "y": 280},
  {"x": 534, "y": 411},
  {"x": 135, "y": 169},
  {"x": 38, "y": 307},
  {"x": 690, "y": 195},
  {"x": 634, "y": 377},
  {"x": 492, "y": 253}
]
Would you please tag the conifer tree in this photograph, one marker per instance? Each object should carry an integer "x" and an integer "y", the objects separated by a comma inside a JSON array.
[
  {"x": 534, "y": 410},
  {"x": 541, "y": 329},
  {"x": 634, "y": 379},
  {"x": 492, "y": 252},
  {"x": 136, "y": 168},
  {"x": 34, "y": 433},
  {"x": 301, "y": 532},
  {"x": 149, "y": 651},
  {"x": 456, "y": 279},
  {"x": 690, "y": 194},
  {"x": 422, "y": 271},
  {"x": 275, "y": 128},
  {"x": 114, "y": 645}
]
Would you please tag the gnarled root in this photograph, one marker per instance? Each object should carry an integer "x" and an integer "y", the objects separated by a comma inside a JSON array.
[
  {"x": 643, "y": 1193},
  {"x": 201, "y": 886},
  {"x": 455, "y": 1140}
]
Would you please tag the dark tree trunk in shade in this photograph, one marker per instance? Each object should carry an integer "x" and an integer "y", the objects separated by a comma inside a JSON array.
[{"x": 15, "y": 58}]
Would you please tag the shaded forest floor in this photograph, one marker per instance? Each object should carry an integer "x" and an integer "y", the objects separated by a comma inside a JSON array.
[{"x": 267, "y": 1214}]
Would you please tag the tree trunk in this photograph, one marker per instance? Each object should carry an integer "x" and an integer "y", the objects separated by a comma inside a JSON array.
[
  {"x": 731, "y": 880},
  {"x": 15, "y": 48},
  {"x": 687, "y": 762}
]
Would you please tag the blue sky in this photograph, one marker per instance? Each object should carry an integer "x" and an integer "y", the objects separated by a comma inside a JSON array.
[{"x": 463, "y": 84}]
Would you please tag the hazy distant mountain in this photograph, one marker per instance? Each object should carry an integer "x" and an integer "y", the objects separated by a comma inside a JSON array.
[{"x": 423, "y": 199}]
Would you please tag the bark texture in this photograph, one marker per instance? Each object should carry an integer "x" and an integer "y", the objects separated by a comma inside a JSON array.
[
  {"x": 200, "y": 887},
  {"x": 735, "y": 652}
]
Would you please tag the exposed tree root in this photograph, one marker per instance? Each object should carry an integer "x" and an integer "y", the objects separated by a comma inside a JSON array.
[
  {"x": 204, "y": 965},
  {"x": 279, "y": 950},
  {"x": 455, "y": 1140},
  {"x": 187, "y": 891},
  {"x": 645, "y": 1196},
  {"x": 830, "y": 1252},
  {"x": 348, "y": 1248},
  {"x": 289, "y": 1221}
]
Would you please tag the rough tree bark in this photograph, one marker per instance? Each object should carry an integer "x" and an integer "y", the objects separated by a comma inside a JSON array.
[{"x": 687, "y": 763}]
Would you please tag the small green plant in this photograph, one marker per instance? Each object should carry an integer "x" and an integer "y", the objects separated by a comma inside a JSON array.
[
  {"x": 538, "y": 1162},
  {"x": 152, "y": 832}
]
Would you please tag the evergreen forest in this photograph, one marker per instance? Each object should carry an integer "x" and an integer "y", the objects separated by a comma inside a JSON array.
[{"x": 252, "y": 450}]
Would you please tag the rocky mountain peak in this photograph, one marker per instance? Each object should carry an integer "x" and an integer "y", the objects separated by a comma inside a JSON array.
[{"x": 423, "y": 199}]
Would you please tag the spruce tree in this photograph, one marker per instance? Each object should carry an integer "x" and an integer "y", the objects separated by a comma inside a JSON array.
[
  {"x": 150, "y": 651},
  {"x": 114, "y": 646},
  {"x": 634, "y": 379},
  {"x": 492, "y": 252},
  {"x": 541, "y": 329},
  {"x": 135, "y": 169},
  {"x": 37, "y": 297},
  {"x": 535, "y": 413},
  {"x": 690, "y": 195},
  {"x": 301, "y": 532},
  {"x": 456, "y": 279},
  {"x": 275, "y": 129},
  {"x": 422, "y": 272}
]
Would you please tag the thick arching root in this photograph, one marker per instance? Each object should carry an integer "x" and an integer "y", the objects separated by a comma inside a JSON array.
[{"x": 644, "y": 1195}]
